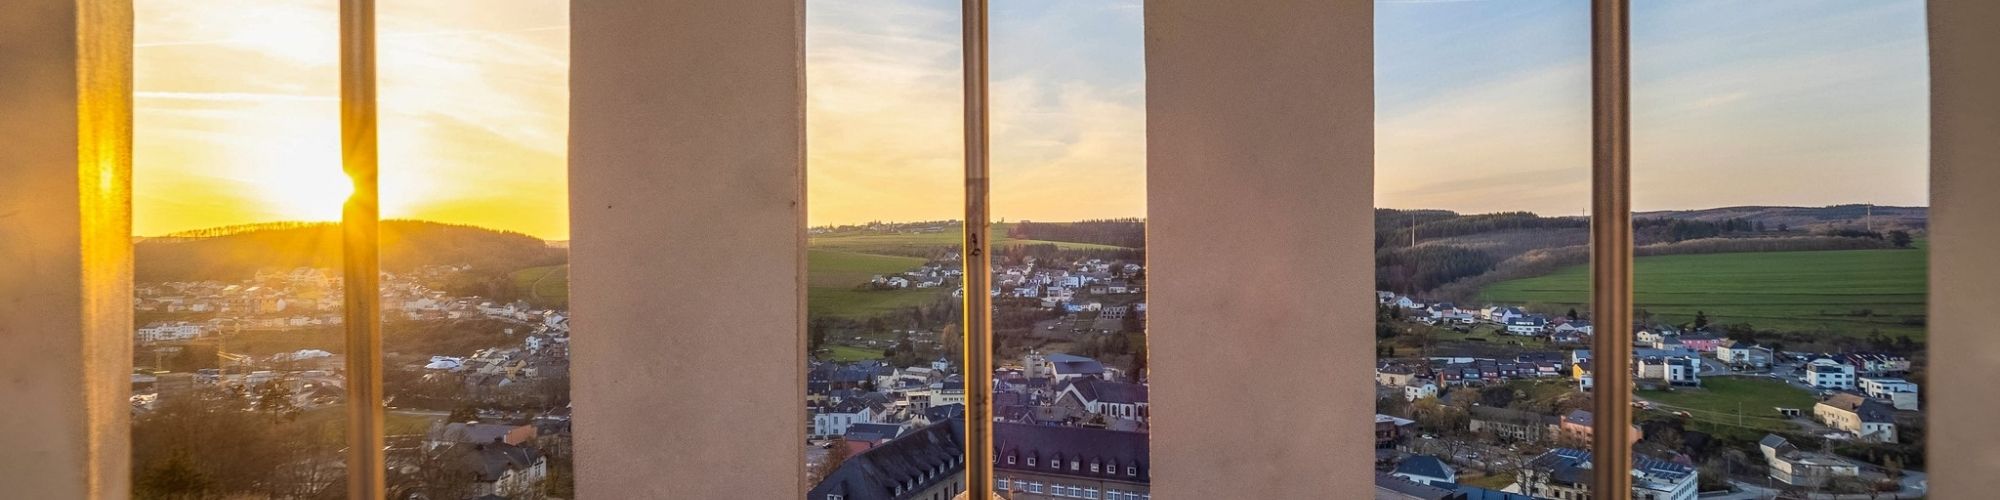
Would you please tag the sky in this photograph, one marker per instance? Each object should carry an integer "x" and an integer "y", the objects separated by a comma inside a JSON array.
[{"x": 1482, "y": 105}]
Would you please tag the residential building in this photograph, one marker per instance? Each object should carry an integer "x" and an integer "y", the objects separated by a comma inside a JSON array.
[
  {"x": 1565, "y": 474},
  {"x": 1390, "y": 430},
  {"x": 168, "y": 332},
  {"x": 1038, "y": 462},
  {"x": 1575, "y": 429},
  {"x": 1526, "y": 325},
  {"x": 1394, "y": 375},
  {"x": 1790, "y": 465},
  {"x": 1573, "y": 327},
  {"x": 1391, "y": 487},
  {"x": 1876, "y": 364},
  {"x": 1420, "y": 390},
  {"x": 1061, "y": 367},
  {"x": 833, "y": 419},
  {"x": 1744, "y": 355},
  {"x": 1668, "y": 369},
  {"x": 499, "y": 469},
  {"x": 1867, "y": 419},
  {"x": 1829, "y": 374},
  {"x": 1513, "y": 424},
  {"x": 1902, "y": 394},
  {"x": 1116, "y": 400},
  {"x": 1700, "y": 342},
  {"x": 924, "y": 464},
  {"x": 1426, "y": 469}
]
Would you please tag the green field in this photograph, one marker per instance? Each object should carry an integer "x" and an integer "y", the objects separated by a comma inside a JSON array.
[
  {"x": 1721, "y": 398},
  {"x": 849, "y": 354},
  {"x": 834, "y": 277},
  {"x": 544, "y": 285},
  {"x": 1847, "y": 292}
]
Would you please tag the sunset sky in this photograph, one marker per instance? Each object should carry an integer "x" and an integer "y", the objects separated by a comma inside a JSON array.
[{"x": 1482, "y": 105}]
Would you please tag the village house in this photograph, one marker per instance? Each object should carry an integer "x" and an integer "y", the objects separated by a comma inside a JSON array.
[
  {"x": 1572, "y": 328},
  {"x": 1575, "y": 429},
  {"x": 1394, "y": 375},
  {"x": 834, "y": 418},
  {"x": 1867, "y": 419},
  {"x": 1113, "y": 400},
  {"x": 1902, "y": 394},
  {"x": 1669, "y": 369},
  {"x": 1512, "y": 424},
  {"x": 1825, "y": 373},
  {"x": 1744, "y": 355},
  {"x": 1700, "y": 342},
  {"x": 1526, "y": 325},
  {"x": 1565, "y": 473},
  {"x": 1790, "y": 465},
  {"x": 1390, "y": 431},
  {"x": 1419, "y": 390},
  {"x": 169, "y": 332},
  {"x": 1876, "y": 364},
  {"x": 1428, "y": 470}
]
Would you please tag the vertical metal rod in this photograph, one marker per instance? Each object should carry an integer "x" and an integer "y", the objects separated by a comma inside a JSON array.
[
  {"x": 976, "y": 260},
  {"x": 361, "y": 257},
  {"x": 1611, "y": 247}
]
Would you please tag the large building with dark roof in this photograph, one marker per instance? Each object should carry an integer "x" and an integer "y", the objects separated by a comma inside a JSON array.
[
  {"x": 1566, "y": 473},
  {"x": 924, "y": 464},
  {"x": 1036, "y": 462}
]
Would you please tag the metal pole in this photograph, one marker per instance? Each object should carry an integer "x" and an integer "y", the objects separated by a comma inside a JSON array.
[
  {"x": 361, "y": 257},
  {"x": 977, "y": 263},
  {"x": 1611, "y": 248}
]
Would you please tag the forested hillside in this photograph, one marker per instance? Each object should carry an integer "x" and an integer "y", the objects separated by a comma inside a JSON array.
[{"x": 238, "y": 252}]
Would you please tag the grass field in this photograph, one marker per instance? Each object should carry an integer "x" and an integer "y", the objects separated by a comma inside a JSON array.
[
  {"x": 1787, "y": 291},
  {"x": 1720, "y": 398},
  {"x": 833, "y": 277},
  {"x": 545, "y": 285},
  {"x": 849, "y": 354}
]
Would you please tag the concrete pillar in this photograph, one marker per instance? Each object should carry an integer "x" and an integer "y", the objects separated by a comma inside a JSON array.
[
  {"x": 687, "y": 200},
  {"x": 65, "y": 248},
  {"x": 1260, "y": 178},
  {"x": 1964, "y": 241}
]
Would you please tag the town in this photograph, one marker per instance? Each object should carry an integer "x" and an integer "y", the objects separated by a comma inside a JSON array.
[
  {"x": 479, "y": 408},
  {"x": 1493, "y": 400},
  {"x": 1070, "y": 392}
]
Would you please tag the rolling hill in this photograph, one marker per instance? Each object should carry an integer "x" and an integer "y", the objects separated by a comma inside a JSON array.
[{"x": 238, "y": 252}]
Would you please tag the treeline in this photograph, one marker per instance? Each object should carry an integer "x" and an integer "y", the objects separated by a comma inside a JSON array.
[
  {"x": 1128, "y": 233},
  {"x": 1416, "y": 269},
  {"x": 1436, "y": 224},
  {"x": 1050, "y": 252},
  {"x": 1672, "y": 230},
  {"x": 406, "y": 245}
]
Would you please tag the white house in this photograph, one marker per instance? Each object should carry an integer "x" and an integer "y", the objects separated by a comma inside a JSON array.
[
  {"x": 1829, "y": 374},
  {"x": 1527, "y": 325},
  {"x": 1900, "y": 393},
  {"x": 1744, "y": 354},
  {"x": 1673, "y": 370},
  {"x": 166, "y": 332},
  {"x": 1415, "y": 391},
  {"x": 834, "y": 420}
]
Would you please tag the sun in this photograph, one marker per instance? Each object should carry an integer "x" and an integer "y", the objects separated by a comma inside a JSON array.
[{"x": 305, "y": 192}]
